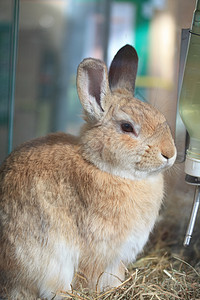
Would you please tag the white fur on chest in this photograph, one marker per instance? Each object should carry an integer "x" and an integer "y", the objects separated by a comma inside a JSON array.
[
  {"x": 60, "y": 271},
  {"x": 132, "y": 246},
  {"x": 139, "y": 234}
]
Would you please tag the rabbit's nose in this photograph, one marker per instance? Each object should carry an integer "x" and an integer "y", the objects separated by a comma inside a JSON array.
[{"x": 168, "y": 149}]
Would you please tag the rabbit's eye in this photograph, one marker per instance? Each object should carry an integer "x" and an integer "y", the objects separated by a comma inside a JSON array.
[{"x": 127, "y": 127}]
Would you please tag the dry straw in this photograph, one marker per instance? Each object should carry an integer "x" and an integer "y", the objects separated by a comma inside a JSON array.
[{"x": 159, "y": 276}]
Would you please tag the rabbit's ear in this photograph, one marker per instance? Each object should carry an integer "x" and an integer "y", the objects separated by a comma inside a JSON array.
[
  {"x": 123, "y": 69},
  {"x": 93, "y": 87}
]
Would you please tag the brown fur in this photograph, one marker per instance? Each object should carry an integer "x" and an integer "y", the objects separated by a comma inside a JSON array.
[{"x": 55, "y": 190}]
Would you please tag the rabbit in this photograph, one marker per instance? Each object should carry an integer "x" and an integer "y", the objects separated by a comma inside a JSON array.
[{"x": 75, "y": 210}]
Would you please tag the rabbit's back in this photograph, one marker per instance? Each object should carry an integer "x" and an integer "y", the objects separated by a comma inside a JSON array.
[
  {"x": 34, "y": 212},
  {"x": 37, "y": 178}
]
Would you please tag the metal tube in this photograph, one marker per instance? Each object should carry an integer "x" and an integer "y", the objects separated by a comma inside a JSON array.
[{"x": 193, "y": 215}]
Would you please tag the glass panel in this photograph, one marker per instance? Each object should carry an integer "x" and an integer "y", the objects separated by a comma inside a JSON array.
[
  {"x": 8, "y": 40},
  {"x": 54, "y": 36}
]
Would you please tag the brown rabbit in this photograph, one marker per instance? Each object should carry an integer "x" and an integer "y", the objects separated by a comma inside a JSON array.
[{"x": 72, "y": 206}]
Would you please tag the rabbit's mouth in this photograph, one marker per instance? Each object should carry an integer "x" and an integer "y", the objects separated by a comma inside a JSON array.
[
  {"x": 139, "y": 171},
  {"x": 149, "y": 170},
  {"x": 170, "y": 161}
]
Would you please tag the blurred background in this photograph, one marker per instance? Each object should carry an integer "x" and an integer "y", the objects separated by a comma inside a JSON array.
[
  {"x": 51, "y": 39},
  {"x": 55, "y": 35}
]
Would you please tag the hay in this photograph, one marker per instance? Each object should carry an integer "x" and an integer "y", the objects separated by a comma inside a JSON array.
[{"x": 156, "y": 276}]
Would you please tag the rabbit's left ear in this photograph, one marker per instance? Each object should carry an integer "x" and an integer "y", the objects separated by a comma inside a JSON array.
[
  {"x": 123, "y": 69},
  {"x": 93, "y": 87}
]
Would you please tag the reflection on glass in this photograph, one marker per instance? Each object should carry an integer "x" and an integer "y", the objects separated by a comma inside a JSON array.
[
  {"x": 8, "y": 40},
  {"x": 55, "y": 35}
]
